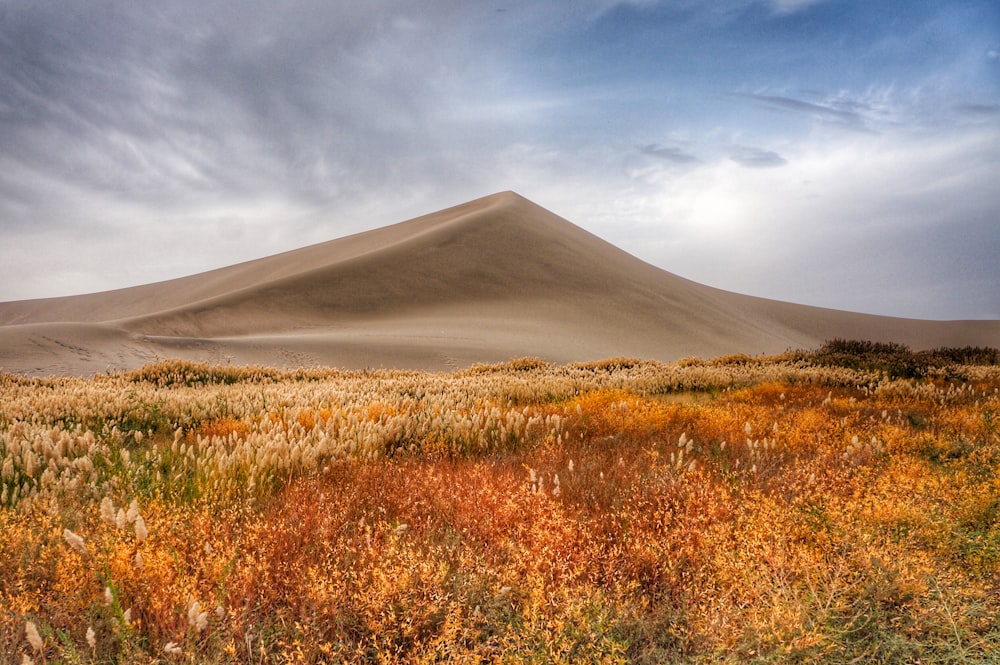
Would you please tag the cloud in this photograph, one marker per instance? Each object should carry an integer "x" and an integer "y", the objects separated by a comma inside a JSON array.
[
  {"x": 979, "y": 110},
  {"x": 191, "y": 99},
  {"x": 670, "y": 154},
  {"x": 791, "y": 6},
  {"x": 123, "y": 123},
  {"x": 756, "y": 158},
  {"x": 719, "y": 8},
  {"x": 857, "y": 222},
  {"x": 846, "y": 113}
]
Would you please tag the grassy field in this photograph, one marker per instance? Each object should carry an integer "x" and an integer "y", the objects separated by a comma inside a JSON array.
[{"x": 832, "y": 506}]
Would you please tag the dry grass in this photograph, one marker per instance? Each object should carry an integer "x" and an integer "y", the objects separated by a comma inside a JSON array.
[{"x": 738, "y": 510}]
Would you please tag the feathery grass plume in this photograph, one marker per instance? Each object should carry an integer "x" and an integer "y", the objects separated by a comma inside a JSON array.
[
  {"x": 109, "y": 596},
  {"x": 133, "y": 511},
  {"x": 75, "y": 541},
  {"x": 91, "y": 637},
  {"x": 34, "y": 639},
  {"x": 26, "y": 659},
  {"x": 108, "y": 510},
  {"x": 172, "y": 649},
  {"x": 196, "y": 618},
  {"x": 401, "y": 529},
  {"x": 121, "y": 519},
  {"x": 140, "y": 529}
]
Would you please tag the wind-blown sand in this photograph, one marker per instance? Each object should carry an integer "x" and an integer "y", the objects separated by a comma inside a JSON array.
[{"x": 492, "y": 279}]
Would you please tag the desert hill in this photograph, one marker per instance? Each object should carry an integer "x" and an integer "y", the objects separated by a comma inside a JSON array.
[{"x": 491, "y": 279}]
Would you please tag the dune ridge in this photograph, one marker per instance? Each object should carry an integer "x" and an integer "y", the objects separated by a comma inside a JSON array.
[{"x": 484, "y": 281}]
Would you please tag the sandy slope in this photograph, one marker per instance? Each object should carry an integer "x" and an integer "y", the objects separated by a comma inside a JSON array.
[{"x": 485, "y": 281}]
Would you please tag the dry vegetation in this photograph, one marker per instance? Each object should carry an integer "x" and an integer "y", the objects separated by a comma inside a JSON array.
[{"x": 808, "y": 507}]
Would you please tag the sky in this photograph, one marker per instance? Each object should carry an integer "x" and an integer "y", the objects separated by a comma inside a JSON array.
[{"x": 836, "y": 153}]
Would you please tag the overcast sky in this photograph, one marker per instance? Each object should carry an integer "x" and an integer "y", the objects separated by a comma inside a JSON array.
[{"x": 829, "y": 152}]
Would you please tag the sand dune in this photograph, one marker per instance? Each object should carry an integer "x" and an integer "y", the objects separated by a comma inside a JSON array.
[{"x": 494, "y": 278}]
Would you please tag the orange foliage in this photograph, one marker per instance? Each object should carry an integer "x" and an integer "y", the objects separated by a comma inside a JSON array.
[
  {"x": 780, "y": 521},
  {"x": 223, "y": 427}
]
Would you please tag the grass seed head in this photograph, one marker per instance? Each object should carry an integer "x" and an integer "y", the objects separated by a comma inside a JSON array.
[
  {"x": 75, "y": 541},
  {"x": 133, "y": 511},
  {"x": 34, "y": 639},
  {"x": 140, "y": 529},
  {"x": 196, "y": 618},
  {"x": 108, "y": 510}
]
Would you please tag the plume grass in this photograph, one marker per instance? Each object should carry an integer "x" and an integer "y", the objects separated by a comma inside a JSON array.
[{"x": 735, "y": 510}]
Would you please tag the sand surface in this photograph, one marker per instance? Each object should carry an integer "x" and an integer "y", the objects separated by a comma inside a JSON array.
[{"x": 492, "y": 279}]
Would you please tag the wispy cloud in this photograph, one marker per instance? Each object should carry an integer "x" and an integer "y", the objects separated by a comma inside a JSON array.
[
  {"x": 841, "y": 114},
  {"x": 980, "y": 110},
  {"x": 669, "y": 153},
  {"x": 756, "y": 158},
  {"x": 790, "y": 6},
  {"x": 847, "y": 215}
]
